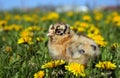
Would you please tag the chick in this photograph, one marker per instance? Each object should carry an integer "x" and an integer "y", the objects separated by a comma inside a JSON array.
[{"x": 65, "y": 44}]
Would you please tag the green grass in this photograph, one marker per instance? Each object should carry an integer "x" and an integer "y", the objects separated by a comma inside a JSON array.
[{"x": 23, "y": 60}]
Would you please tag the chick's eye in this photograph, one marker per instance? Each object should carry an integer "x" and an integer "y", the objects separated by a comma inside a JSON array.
[{"x": 59, "y": 31}]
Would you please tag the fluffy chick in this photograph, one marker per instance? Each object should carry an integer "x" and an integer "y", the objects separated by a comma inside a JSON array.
[{"x": 65, "y": 44}]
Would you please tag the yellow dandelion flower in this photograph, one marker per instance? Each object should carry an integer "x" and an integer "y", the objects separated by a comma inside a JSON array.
[
  {"x": 116, "y": 19},
  {"x": 25, "y": 33},
  {"x": 33, "y": 28},
  {"x": 100, "y": 65},
  {"x": 27, "y": 18},
  {"x": 52, "y": 16},
  {"x": 52, "y": 64},
  {"x": 12, "y": 27},
  {"x": 80, "y": 29},
  {"x": 39, "y": 74},
  {"x": 3, "y": 23},
  {"x": 106, "y": 65},
  {"x": 98, "y": 39},
  {"x": 93, "y": 30},
  {"x": 84, "y": 24},
  {"x": 7, "y": 28},
  {"x": 16, "y": 27},
  {"x": 25, "y": 40},
  {"x": 101, "y": 43},
  {"x": 76, "y": 68},
  {"x": 87, "y": 18},
  {"x": 80, "y": 26}
]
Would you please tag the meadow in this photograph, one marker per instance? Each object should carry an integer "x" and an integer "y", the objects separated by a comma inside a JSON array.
[{"x": 24, "y": 53}]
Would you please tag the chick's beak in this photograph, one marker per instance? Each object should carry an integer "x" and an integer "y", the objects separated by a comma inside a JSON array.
[{"x": 50, "y": 34}]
